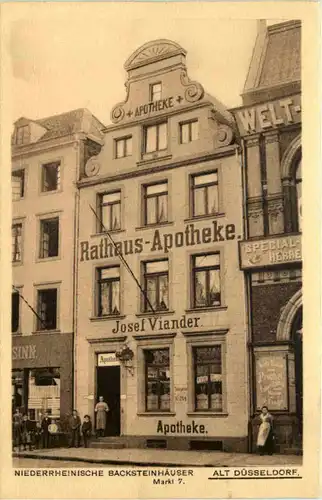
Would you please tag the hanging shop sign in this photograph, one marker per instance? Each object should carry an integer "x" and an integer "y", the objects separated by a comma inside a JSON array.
[
  {"x": 268, "y": 115},
  {"x": 270, "y": 252},
  {"x": 162, "y": 242}
]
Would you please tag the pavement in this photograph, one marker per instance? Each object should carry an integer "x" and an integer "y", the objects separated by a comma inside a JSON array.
[{"x": 155, "y": 457}]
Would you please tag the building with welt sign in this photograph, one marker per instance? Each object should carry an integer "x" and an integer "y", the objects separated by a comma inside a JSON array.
[
  {"x": 269, "y": 123},
  {"x": 161, "y": 311},
  {"x": 46, "y": 157}
]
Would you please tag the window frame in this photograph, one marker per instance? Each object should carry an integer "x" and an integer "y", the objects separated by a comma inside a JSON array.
[
  {"x": 42, "y": 221},
  {"x": 194, "y": 188},
  {"x": 157, "y": 127},
  {"x": 208, "y": 364},
  {"x": 13, "y": 225},
  {"x": 18, "y": 330},
  {"x": 158, "y": 367},
  {"x": 21, "y": 140},
  {"x": 145, "y": 308},
  {"x": 101, "y": 223},
  {"x": 156, "y": 196},
  {"x": 22, "y": 184},
  {"x": 151, "y": 92},
  {"x": 189, "y": 124},
  {"x": 298, "y": 182},
  {"x": 39, "y": 291},
  {"x": 110, "y": 281},
  {"x": 123, "y": 140},
  {"x": 58, "y": 164},
  {"x": 207, "y": 269}
]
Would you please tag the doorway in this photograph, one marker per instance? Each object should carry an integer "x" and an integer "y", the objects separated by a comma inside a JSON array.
[{"x": 108, "y": 385}]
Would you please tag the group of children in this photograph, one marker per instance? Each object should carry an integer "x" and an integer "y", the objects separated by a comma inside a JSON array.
[{"x": 29, "y": 434}]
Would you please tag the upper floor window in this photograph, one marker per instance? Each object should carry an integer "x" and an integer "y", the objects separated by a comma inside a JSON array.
[
  {"x": 108, "y": 291},
  {"x": 298, "y": 184},
  {"x": 188, "y": 131},
  {"x": 16, "y": 236},
  {"x": 208, "y": 378},
  {"x": 156, "y": 203},
  {"x": 49, "y": 237},
  {"x": 110, "y": 211},
  {"x": 205, "y": 197},
  {"x": 206, "y": 280},
  {"x": 156, "y": 137},
  {"x": 123, "y": 147},
  {"x": 50, "y": 177},
  {"x": 156, "y": 285},
  {"x": 18, "y": 184},
  {"x": 47, "y": 309},
  {"x": 22, "y": 135},
  {"x": 155, "y": 91},
  {"x": 15, "y": 313}
]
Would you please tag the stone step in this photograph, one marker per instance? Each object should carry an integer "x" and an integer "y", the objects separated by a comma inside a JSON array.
[{"x": 107, "y": 445}]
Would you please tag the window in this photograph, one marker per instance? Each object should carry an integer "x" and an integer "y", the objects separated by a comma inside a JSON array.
[
  {"x": 50, "y": 177},
  {"x": 44, "y": 393},
  {"x": 156, "y": 203},
  {"x": 108, "y": 291},
  {"x": 188, "y": 131},
  {"x": 206, "y": 280},
  {"x": 49, "y": 238},
  {"x": 15, "y": 313},
  {"x": 156, "y": 285},
  {"x": 22, "y": 135},
  {"x": 205, "y": 194},
  {"x": 156, "y": 138},
  {"x": 157, "y": 376},
  {"x": 47, "y": 309},
  {"x": 155, "y": 92},
  {"x": 110, "y": 211},
  {"x": 16, "y": 237},
  {"x": 123, "y": 147},
  {"x": 18, "y": 184},
  {"x": 208, "y": 378},
  {"x": 298, "y": 184}
]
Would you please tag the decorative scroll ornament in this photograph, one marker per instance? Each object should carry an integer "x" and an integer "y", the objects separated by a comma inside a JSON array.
[
  {"x": 125, "y": 355},
  {"x": 275, "y": 209},
  {"x": 194, "y": 91},
  {"x": 117, "y": 113},
  {"x": 224, "y": 136},
  {"x": 92, "y": 167}
]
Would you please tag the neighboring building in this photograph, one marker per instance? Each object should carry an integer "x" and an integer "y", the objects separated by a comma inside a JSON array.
[
  {"x": 46, "y": 157},
  {"x": 167, "y": 189},
  {"x": 269, "y": 123}
]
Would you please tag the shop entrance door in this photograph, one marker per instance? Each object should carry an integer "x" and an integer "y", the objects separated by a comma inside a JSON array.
[{"x": 108, "y": 383}]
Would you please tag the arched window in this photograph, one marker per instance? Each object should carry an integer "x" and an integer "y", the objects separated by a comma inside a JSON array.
[{"x": 298, "y": 186}]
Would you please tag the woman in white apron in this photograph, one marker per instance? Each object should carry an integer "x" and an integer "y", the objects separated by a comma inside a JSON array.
[{"x": 265, "y": 438}]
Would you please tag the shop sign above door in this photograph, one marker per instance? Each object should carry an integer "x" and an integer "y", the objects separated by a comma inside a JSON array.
[
  {"x": 107, "y": 359},
  {"x": 270, "y": 252},
  {"x": 268, "y": 115},
  {"x": 24, "y": 352}
]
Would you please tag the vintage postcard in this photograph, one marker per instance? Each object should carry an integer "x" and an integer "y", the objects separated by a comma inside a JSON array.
[{"x": 160, "y": 184}]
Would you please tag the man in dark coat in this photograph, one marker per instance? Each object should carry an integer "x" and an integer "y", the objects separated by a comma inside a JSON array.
[
  {"x": 45, "y": 432},
  {"x": 26, "y": 432},
  {"x": 74, "y": 430}
]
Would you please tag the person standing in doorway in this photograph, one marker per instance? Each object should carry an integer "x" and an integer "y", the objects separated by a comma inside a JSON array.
[
  {"x": 45, "y": 432},
  {"x": 86, "y": 430},
  {"x": 101, "y": 410},
  {"x": 26, "y": 431},
  {"x": 74, "y": 430},
  {"x": 265, "y": 438},
  {"x": 16, "y": 431}
]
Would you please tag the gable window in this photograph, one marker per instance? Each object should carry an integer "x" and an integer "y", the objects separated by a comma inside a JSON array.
[
  {"x": 188, "y": 131},
  {"x": 50, "y": 177},
  {"x": 108, "y": 291},
  {"x": 205, "y": 199},
  {"x": 47, "y": 309},
  {"x": 16, "y": 237},
  {"x": 156, "y": 137},
  {"x": 18, "y": 184},
  {"x": 22, "y": 135},
  {"x": 156, "y": 285},
  {"x": 298, "y": 185},
  {"x": 157, "y": 379},
  {"x": 155, "y": 91},
  {"x": 49, "y": 237},
  {"x": 156, "y": 203},
  {"x": 208, "y": 378},
  {"x": 110, "y": 211},
  {"x": 123, "y": 147},
  {"x": 206, "y": 280},
  {"x": 15, "y": 312}
]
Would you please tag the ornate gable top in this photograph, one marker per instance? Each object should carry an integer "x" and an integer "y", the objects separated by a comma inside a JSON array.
[{"x": 153, "y": 51}]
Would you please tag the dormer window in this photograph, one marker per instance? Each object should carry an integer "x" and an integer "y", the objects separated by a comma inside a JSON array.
[
  {"x": 22, "y": 135},
  {"x": 155, "y": 91}
]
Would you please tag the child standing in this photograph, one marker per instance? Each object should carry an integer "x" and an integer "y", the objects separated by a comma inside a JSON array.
[{"x": 86, "y": 430}]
